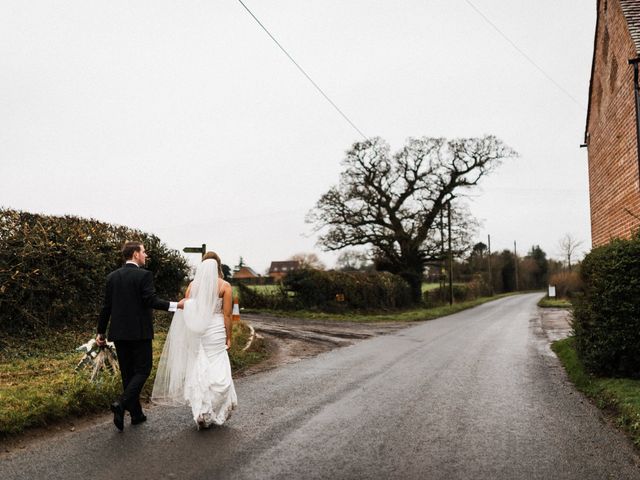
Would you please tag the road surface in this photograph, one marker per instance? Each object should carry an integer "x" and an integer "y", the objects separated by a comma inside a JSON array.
[{"x": 474, "y": 395}]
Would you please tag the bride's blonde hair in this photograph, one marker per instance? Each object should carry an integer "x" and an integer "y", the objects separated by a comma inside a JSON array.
[{"x": 214, "y": 255}]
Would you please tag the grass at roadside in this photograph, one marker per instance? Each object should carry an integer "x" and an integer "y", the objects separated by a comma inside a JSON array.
[
  {"x": 412, "y": 315},
  {"x": 267, "y": 289},
  {"x": 618, "y": 396},
  {"x": 547, "y": 302},
  {"x": 38, "y": 383}
]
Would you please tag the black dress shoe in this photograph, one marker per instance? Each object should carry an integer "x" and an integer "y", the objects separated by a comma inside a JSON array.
[
  {"x": 118, "y": 415},
  {"x": 139, "y": 419}
]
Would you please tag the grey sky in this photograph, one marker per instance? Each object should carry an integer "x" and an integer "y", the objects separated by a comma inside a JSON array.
[{"x": 185, "y": 120}]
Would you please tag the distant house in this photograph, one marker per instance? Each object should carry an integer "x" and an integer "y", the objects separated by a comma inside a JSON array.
[
  {"x": 612, "y": 122},
  {"x": 245, "y": 273},
  {"x": 278, "y": 270}
]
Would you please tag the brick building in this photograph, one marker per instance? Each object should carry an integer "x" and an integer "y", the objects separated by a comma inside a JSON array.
[
  {"x": 279, "y": 270},
  {"x": 611, "y": 130},
  {"x": 245, "y": 273}
]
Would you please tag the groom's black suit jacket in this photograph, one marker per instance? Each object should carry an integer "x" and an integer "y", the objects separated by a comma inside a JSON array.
[{"x": 129, "y": 299}]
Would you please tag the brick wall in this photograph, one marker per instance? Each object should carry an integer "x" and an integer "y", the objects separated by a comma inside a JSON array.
[{"x": 613, "y": 156}]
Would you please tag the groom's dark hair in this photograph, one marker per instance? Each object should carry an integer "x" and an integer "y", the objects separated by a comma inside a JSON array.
[{"x": 129, "y": 248}]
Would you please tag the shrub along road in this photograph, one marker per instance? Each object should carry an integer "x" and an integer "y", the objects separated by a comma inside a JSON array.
[{"x": 477, "y": 394}]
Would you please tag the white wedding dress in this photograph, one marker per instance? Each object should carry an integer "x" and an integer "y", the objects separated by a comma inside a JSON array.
[
  {"x": 194, "y": 367},
  {"x": 209, "y": 387}
]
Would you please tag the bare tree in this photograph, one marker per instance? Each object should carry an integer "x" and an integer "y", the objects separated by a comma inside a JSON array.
[
  {"x": 464, "y": 229},
  {"x": 350, "y": 260},
  {"x": 393, "y": 202},
  {"x": 309, "y": 260},
  {"x": 568, "y": 246}
]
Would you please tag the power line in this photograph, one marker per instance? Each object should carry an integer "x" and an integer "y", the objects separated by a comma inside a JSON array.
[
  {"x": 304, "y": 73},
  {"x": 527, "y": 57}
]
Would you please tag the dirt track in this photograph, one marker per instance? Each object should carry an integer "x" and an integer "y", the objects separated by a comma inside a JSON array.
[{"x": 292, "y": 339}]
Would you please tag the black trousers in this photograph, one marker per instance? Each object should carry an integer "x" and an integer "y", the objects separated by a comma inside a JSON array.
[{"x": 135, "y": 358}]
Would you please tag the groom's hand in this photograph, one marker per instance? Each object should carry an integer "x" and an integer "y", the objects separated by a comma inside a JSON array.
[
  {"x": 100, "y": 340},
  {"x": 181, "y": 304}
]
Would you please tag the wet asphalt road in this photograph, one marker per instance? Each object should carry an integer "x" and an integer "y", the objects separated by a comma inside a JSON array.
[{"x": 471, "y": 396}]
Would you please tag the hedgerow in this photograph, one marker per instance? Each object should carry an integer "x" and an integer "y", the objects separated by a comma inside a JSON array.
[
  {"x": 333, "y": 291},
  {"x": 53, "y": 268},
  {"x": 607, "y": 314}
]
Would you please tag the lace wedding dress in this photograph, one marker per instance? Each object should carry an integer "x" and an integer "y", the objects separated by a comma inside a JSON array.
[{"x": 194, "y": 367}]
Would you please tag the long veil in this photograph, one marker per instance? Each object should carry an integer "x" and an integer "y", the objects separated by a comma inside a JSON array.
[{"x": 181, "y": 347}]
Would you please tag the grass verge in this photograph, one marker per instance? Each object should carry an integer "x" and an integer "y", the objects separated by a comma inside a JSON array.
[
  {"x": 268, "y": 289},
  {"x": 413, "y": 315},
  {"x": 619, "y": 397},
  {"x": 547, "y": 302},
  {"x": 38, "y": 383}
]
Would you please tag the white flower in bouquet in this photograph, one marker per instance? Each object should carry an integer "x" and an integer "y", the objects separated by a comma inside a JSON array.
[{"x": 98, "y": 358}]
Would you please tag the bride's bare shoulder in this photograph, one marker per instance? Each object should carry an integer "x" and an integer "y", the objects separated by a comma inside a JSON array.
[{"x": 225, "y": 286}]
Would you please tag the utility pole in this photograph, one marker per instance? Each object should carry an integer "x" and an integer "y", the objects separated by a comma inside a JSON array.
[
  {"x": 441, "y": 278},
  {"x": 515, "y": 255},
  {"x": 450, "y": 255},
  {"x": 490, "y": 276}
]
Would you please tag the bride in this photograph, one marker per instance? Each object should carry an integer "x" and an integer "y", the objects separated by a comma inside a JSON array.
[{"x": 194, "y": 368}]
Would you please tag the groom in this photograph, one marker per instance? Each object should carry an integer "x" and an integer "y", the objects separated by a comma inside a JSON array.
[{"x": 129, "y": 299}]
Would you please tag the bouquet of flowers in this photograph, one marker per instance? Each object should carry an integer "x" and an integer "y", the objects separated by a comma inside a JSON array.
[{"x": 98, "y": 358}]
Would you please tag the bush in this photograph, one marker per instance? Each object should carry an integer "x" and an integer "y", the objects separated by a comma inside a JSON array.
[
  {"x": 333, "y": 292},
  {"x": 607, "y": 315},
  {"x": 53, "y": 269},
  {"x": 272, "y": 300},
  {"x": 461, "y": 293},
  {"x": 567, "y": 283}
]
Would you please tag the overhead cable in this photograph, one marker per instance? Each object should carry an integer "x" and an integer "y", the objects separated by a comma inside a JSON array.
[
  {"x": 304, "y": 73},
  {"x": 527, "y": 57}
]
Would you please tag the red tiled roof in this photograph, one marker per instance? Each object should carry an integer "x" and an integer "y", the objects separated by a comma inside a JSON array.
[
  {"x": 245, "y": 272},
  {"x": 631, "y": 11},
  {"x": 285, "y": 266}
]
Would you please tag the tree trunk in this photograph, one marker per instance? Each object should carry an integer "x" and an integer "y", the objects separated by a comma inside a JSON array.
[
  {"x": 409, "y": 267},
  {"x": 414, "y": 279}
]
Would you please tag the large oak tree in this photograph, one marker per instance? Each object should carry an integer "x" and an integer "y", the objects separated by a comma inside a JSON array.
[{"x": 393, "y": 203}]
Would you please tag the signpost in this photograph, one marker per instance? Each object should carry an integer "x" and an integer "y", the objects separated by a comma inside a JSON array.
[{"x": 201, "y": 250}]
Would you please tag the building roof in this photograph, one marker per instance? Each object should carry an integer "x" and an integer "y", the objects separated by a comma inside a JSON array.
[
  {"x": 245, "y": 272},
  {"x": 285, "y": 266},
  {"x": 631, "y": 11}
]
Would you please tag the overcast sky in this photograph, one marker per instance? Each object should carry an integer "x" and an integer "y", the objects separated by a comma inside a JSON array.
[{"x": 182, "y": 118}]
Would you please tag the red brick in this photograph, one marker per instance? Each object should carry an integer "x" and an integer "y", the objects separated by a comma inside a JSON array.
[{"x": 611, "y": 130}]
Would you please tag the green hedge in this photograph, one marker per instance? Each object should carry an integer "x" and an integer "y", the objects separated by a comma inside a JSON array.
[
  {"x": 250, "y": 297},
  {"x": 607, "y": 315},
  {"x": 53, "y": 269},
  {"x": 462, "y": 292},
  {"x": 332, "y": 291}
]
